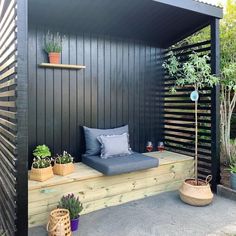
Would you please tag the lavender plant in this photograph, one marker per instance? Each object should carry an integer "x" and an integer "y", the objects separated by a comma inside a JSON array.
[
  {"x": 53, "y": 43},
  {"x": 72, "y": 204}
]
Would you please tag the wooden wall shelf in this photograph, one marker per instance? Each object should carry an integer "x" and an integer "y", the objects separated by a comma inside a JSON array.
[{"x": 62, "y": 66}]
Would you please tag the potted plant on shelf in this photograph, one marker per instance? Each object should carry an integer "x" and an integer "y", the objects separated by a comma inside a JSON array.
[
  {"x": 53, "y": 47},
  {"x": 74, "y": 206},
  {"x": 194, "y": 73},
  {"x": 41, "y": 168},
  {"x": 63, "y": 164}
]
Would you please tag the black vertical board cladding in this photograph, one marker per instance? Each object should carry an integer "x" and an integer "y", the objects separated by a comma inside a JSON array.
[
  {"x": 117, "y": 87},
  {"x": 101, "y": 83},
  {"x": 107, "y": 78},
  {"x": 119, "y": 83},
  {"x": 49, "y": 91},
  {"x": 125, "y": 75},
  {"x": 40, "y": 93},
  {"x": 131, "y": 91},
  {"x": 80, "y": 94},
  {"x": 65, "y": 96},
  {"x": 142, "y": 138},
  {"x": 72, "y": 95},
  {"x": 57, "y": 108},
  {"x": 32, "y": 83},
  {"x": 87, "y": 81},
  {"x": 94, "y": 81},
  {"x": 136, "y": 96},
  {"x": 113, "y": 84}
]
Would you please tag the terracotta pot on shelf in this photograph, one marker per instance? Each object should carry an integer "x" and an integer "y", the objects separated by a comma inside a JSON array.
[
  {"x": 41, "y": 174},
  {"x": 54, "y": 57},
  {"x": 196, "y": 195},
  {"x": 63, "y": 169}
]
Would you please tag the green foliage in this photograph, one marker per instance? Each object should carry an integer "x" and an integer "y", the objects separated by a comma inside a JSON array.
[
  {"x": 64, "y": 158},
  {"x": 42, "y": 157},
  {"x": 2, "y": 233},
  {"x": 196, "y": 72},
  {"x": 42, "y": 151},
  {"x": 53, "y": 43},
  {"x": 71, "y": 203}
]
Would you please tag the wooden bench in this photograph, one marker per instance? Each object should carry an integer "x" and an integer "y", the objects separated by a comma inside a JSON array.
[{"x": 97, "y": 191}]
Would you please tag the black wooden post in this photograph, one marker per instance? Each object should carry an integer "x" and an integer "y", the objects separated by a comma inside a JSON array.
[
  {"x": 215, "y": 104},
  {"x": 22, "y": 119}
]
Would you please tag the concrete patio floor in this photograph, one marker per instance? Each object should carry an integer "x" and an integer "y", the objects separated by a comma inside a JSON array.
[{"x": 161, "y": 215}]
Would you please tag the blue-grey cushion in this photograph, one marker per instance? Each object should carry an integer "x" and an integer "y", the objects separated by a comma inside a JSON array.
[
  {"x": 93, "y": 147},
  {"x": 114, "y": 145},
  {"x": 119, "y": 165}
]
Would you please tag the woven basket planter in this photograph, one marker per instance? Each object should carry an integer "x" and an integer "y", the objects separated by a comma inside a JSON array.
[
  {"x": 196, "y": 195},
  {"x": 41, "y": 174},
  {"x": 63, "y": 169},
  {"x": 59, "y": 223}
]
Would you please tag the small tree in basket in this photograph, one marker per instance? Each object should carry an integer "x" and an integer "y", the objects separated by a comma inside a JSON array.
[{"x": 195, "y": 73}]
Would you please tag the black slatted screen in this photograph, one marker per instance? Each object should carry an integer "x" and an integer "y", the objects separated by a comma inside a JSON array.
[
  {"x": 179, "y": 126},
  {"x": 8, "y": 128}
]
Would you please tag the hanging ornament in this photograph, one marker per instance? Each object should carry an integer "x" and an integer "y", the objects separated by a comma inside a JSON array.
[{"x": 194, "y": 95}]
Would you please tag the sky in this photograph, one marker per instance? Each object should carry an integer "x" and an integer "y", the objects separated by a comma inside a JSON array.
[{"x": 215, "y": 2}]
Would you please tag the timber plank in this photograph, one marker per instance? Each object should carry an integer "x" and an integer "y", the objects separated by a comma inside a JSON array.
[{"x": 97, "y": 191}]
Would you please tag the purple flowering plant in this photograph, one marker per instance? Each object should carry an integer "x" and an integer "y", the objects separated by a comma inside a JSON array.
[{"x": 72, "y": 204}]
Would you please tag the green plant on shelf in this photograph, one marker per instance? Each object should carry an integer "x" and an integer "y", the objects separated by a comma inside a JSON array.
[
  {"x": 53, "y": 43},
  {"x": 65, "y": 158},
  {"x": 42, "y": 157},
  {"x": 72, "y": 204}
]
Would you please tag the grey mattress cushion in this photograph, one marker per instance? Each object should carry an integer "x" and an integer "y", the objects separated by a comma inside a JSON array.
[
  {"x": 122, "y": 164},
  {"x": 93, "y": 147}
]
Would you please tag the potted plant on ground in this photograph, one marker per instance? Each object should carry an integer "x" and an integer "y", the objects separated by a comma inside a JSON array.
[
  {"x": 41, "y": 168},
  {"x": 63, "y": 164},
  {"x": 72, "y": 203},
  {"x": 195, "y": 73},
  {"x": 53, "y": 47}
]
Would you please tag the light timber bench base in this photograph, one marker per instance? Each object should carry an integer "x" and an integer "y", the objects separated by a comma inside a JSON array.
[{"x": 97, "y": 191}]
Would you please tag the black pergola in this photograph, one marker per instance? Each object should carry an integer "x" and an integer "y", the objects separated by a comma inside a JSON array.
[{"x": 122, "y": 44}]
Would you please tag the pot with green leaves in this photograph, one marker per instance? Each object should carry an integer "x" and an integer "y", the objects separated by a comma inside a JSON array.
[
  {"x": 63, "y": 164},
  {"x": 194, "y": 73},
  {"x": 53, "y": 47},
  {"x": 74, "y": 206},
  {"x": 41, "y": 169}
]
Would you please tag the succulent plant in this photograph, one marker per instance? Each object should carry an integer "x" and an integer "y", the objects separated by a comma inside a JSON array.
[
  {"x": 42, "y": 151},
  {"x": 42, "y": 156},
  {"x": 72, "y": 204}
]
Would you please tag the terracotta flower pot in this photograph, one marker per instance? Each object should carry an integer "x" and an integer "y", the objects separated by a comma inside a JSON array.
[
  {"x": 63, "y": 169},
  {"x": 196, "y": 195},
  {"x": 54, "y": 57},
  {"x": 41, "y": 174}
]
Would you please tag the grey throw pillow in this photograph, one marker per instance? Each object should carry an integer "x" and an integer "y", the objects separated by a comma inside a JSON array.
[
  {"x": 93, "y": 147},
  {"x": 114, "y": 145}
]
